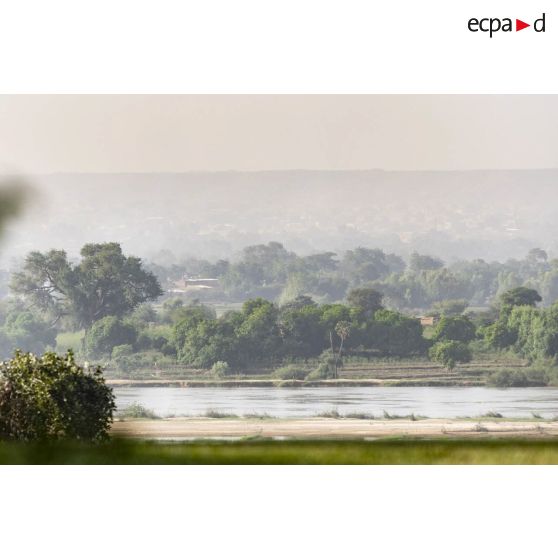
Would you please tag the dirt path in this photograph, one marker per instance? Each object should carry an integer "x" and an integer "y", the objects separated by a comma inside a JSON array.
[{"x": 188, "y": 428}]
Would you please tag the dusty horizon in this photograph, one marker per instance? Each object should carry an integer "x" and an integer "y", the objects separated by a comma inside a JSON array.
[{"x": 52, "y": 134}]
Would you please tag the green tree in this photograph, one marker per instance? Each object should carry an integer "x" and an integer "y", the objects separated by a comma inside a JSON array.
[
  {"x": 107, "y": 333},
  {"x": 421, "y": 262},
  {"x": 301, "y": 329},
  {"x": 364, "y": 264},
  {"x": 365, "y": 299},
  {"x": 258, "y": 332},
  {"x": 52, "y": 397},
  {"x": 520, "y": 296},
  {"x": 394, "y": 334},
  {"x": 449, "y": 353},
  {"x": 454, "y": 328},
  {"x": 104, "y": 283},
  {"x": 28, "y": 332},
  {"x": 342, "y": 330}
]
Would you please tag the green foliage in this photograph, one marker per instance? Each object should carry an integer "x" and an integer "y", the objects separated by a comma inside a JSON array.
[
  {"x": 220, "y": 369},
  {"x": 456, "y": 328},
  {"x": 498, "y": 335},
  {"x": 122, "y": 351},
  {"x": 52, "y": 397},
  {"x": 137, "y": 411},
  {"x": 450, "y": 353},
  {"x": 366, "y": 300},
  {"x": 520, "y": 296},
  {"x": 518, "y": 378},
  {"x": 69, "y": 340},
  {"x": 290, "y": 372},
  {"x": 530, "y": 331},
  {"x": 104, "y": 283},
  {"x": 362, "y": 265},
  {"x": 107, "y": 333},
  {"x": 450, "y": 307},
  {"x": 158, "y": 338},
  {"x": 424, "y": 263},
  {"x": 26, "y": 331},
  {"x": 144, "y": 314},
  {"x": 392, "y": 334},
  {"x": 326, "y": 369}
]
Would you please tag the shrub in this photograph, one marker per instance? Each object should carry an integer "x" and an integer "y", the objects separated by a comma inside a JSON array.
[
  {"x": 107, "y": 333},
  {"x": 518, "y": 378},
  {"x": 290, "y": 372},
  {"x": 137, "y": 410},
  {"x": 325, "y": 370},
  {"x": 454, "y": 328},
  {"x": 140, "y": 361},
  {"x": 220, "y": 369},
  {"x": 449, "y": 353},
  {"x": 52, "y": 397},
  {"x": 121, "y": 351}
]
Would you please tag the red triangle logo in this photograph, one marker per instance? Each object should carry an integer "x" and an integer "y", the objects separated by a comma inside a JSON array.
[{"x": 519, "y": 25}]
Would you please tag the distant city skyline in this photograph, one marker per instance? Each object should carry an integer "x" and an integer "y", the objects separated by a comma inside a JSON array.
[{"x": 141, "y": 133}]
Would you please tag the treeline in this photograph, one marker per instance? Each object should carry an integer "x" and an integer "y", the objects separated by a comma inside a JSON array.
[
  {"x": 272, "y": 272},
  {"x": 105, "y": 304},
  {"x": 262, "y": 333}
]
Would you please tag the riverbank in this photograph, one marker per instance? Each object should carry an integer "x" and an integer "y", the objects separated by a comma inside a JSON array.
[
  {"x": 403, "y": 373},
  {"x": 332, "y": 428},
  {"x": 429, "y": 382}
]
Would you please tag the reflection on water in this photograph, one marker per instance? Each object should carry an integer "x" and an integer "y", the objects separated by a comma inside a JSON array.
[{"x": 446, "y": 402}]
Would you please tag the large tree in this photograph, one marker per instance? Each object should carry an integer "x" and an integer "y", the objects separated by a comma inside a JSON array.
[
  {"x": 520, "y": 296},
  {"x": 104, "y": 283}
]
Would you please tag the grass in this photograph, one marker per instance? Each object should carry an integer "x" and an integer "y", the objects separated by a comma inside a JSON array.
[
  {"x": 332, "y": 413},
  {"x": 213, "y": 413},
  {"x": 412, "y": 416},
  {"x": 360, "y": 416},
  {"x": 258, "y": 416},
  {"x": 492, "y": 414},
  {"x": 259, "y": 451}
]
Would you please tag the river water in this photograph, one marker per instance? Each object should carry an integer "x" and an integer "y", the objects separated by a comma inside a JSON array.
[{"x": 433, "y": 402}]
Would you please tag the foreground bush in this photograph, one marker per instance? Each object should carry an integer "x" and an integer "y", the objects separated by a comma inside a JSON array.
[{"x": 52, "y": 397}]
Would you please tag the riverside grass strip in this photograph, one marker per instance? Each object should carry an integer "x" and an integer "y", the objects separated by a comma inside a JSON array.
[{"x": 291, "y": 452}]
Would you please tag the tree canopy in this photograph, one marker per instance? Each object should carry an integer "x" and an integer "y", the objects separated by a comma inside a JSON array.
[
  {"x": 520, "y": 296},
  {"x": 104, "y": 283}
]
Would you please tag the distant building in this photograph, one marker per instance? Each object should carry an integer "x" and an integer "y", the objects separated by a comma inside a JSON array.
[
  {"x": 188, "y": 284},
  {"x": 428, "y": 320},
  {"x": 206, "y": 282}
]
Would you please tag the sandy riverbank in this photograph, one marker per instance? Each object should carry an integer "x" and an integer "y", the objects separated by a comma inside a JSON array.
[{"x": 323, "y": 428}]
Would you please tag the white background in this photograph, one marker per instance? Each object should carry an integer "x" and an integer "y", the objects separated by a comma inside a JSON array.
[
  {"x": 278, "y": 46},
  {"x": 273, "y": 46}
]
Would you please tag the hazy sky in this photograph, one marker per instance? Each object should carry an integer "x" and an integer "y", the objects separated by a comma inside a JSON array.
[{"x": 136, "y": 133}]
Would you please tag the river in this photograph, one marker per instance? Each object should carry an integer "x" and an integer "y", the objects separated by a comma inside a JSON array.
[{"x": 432, "y": 402}]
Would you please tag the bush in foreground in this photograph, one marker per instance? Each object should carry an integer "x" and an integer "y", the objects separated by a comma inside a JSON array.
[{"x": 52, "y": 397}]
